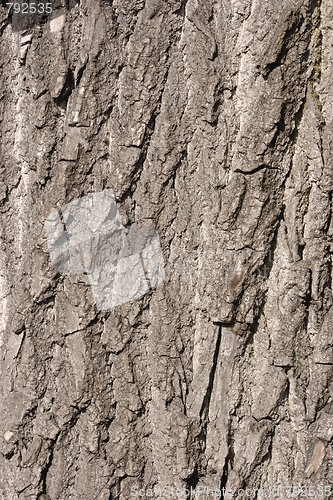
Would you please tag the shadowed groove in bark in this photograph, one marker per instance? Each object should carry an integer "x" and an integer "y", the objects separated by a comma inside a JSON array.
[{"x": 206, "y": 400}]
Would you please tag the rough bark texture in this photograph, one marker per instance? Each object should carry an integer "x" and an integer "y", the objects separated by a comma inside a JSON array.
[{"x": 212, "y": 122}]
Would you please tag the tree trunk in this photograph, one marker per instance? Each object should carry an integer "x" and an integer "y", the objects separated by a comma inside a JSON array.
[{"x": 211, "y": 123}]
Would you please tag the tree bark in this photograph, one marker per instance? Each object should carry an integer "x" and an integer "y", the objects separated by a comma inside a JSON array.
[{"x": 211, "y": 122}]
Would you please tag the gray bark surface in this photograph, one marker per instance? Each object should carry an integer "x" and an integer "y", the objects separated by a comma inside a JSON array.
[{"x": 212, "y": 123}]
